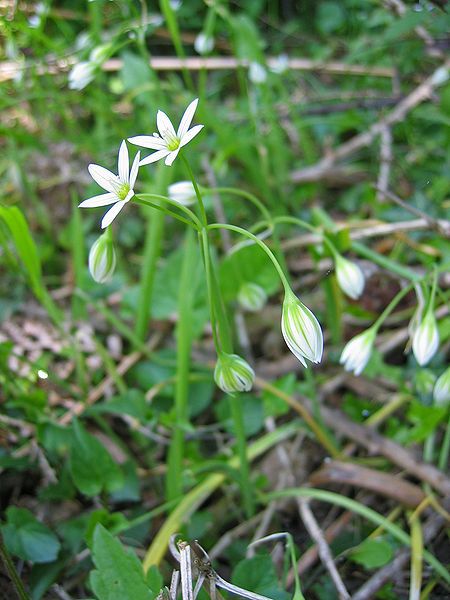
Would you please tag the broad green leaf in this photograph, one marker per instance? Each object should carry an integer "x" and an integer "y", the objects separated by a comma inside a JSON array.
[
  {"x": 372, "y": 554},
  {"x": 92, "y": 468},
  {"x": 28, "y": 538},
  {"x": 119, "y": 574}
]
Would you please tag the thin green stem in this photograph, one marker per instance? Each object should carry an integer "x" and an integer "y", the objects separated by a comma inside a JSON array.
[
  {"x": 243, "y": 194},
  {"x": 385, "y": 262},
  {"x": 392, "y": 304},
  {"x": 261, "y": 244},
  {"x": 197, "y": 191},
  {"x": 174, "y": 481},
  {"x": 11, "y": 571},
  {"x": 445, "y": 449},
  {"x": 172, "y": 25},
  {"x": 241, "y": 442},
  {"x": 363, "y": 511},
  {"x": 142, "y": 199},
  {"x": 152, "y": 250}
]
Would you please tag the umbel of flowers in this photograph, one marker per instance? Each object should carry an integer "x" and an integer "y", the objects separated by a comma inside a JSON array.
[{"x": 299, "y": 326}]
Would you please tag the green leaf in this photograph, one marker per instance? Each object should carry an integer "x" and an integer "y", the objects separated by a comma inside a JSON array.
[
  {"x": 28, "y": 538},
  {"x": 119, "y": 574},
  {"x": 372, "y": 554},
  {"x": 91, "y": 466},
  {"x": 258, "y": 574},
  {"x": 25, "y": 246}
]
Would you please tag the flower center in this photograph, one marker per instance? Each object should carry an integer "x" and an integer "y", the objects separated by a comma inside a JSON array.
[
  {"x": 172, "y": 143},
  {"x": 123, "y": 191}
]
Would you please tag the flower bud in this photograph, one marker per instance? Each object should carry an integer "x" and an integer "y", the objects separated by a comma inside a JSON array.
[
  {"x": 81, "y": 75},
  {"x": 252, "y": 297},
  {"x": 233, "y": 373},
  {"x": 301, "y": 330},
  {"x": 203, "y": 43},
  {"x": 441, "y": 392},
  {"x": 426, "y": 339},
  {"x": 349, "y": 276},
  {"x": 357, "y": 351},
  {"x": 257, "y": 73},
  {"x": 182, "y": 192},
  {"x": 102, "y": 258}
]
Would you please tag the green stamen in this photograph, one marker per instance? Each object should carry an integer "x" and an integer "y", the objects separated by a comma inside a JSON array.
[{"x": 123, "y": 191}]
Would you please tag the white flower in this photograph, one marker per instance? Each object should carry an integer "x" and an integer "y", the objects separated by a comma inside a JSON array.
[
  {"x": 168, "y": 143},
  {"x": 301, "y": 330},
  {"x": 252, "y": 297},
  {"x": 357, "y": 351},
  {"x": 182, "y": 192},
  {"x": 426, "y": 339},
  {"x": 441, "y": 392},
  {"x": 417, "y": 316},
  {"x": 119, "y": 187},
  {"x": 102, "y": 258},
  {"x": 233, "y": 374},
  {"x": 204, "y": 43},
  {"x": 349, "y": 276},
  {"x": 81, "y": 75},
  {"x": 257, "y": 73}
]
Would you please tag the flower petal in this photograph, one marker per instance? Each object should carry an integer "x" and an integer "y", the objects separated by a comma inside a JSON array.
[
  {"x": 154, "y": 157},
  {"x": 100, "y": 200},
  {"x": 187, "y": 137},
  {"x": 171, "y": 157},
  {"x": 105, "y": 179},
  {"x": 112, "y": 214},
  {"x": 148, "y": 141},
  {"x": 123, "y": 163},
  {"x": 186, "y": 119},
  {"x": 134, "y": 170},
  {"x": 164, "y": 124}
]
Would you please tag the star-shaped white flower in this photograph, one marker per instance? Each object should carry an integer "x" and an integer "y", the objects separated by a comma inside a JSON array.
[
  {"x": 119, "y": 187},
  {"x": 167, "y": 143}
]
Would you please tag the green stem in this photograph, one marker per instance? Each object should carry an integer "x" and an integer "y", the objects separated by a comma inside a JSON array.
[
  {"x": 363, "y": 511},
  {"x": 243, "y": 194},
  {"x": 152, "y": 250},
  {"x": 143, "y": 199},
  {"x": 174, "y": 481},
  {"x": 392, "y": 304},
  {"x": 385, "y": 262},
  {"x": 241, "y": 442},
  {"x": 261, "y": 244},
  {"x": 197, "y": 191},
  {"x": 445, "y": 449},
  {"x": 166, "y": 211},
  {"x": 11, "y": 571},
  {"x": 172, "y": 24}
]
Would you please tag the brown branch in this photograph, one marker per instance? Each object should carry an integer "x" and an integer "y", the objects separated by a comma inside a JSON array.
[{"x": 418, "y": 95}]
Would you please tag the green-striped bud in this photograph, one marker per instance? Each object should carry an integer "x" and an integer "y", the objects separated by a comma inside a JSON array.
[
  {"x": 301, "y": 330},
  {"x": 441, "y": 392},
  {"x": 426, "y": 339},
  {"x": 349, "y": 277},
  {"x": 252, "y": 297},
  {"x": 102, "y": 258},
  {"x": 233, "y": 373},
  {"x": 357, "y": 351}
]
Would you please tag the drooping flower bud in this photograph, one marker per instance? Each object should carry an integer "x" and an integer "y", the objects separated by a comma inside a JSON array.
[
  {"x": 441, "y": 392},
  {"x": 301, "y": 330},
  {"x": 233, "y": 373},
  {"x": 252, "y": 297},
  {"x": 349, "y": 276},
  {"x": 257, "y": 73},
  {"x": 357, "y": 351},
  {"x": 81, "y": 75},
  {"x": 204, "y": 43},
  {"x": 102, "y": 258},
  {"x": 182, "y": 192},
  {"x": 426, "y": 338}
]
